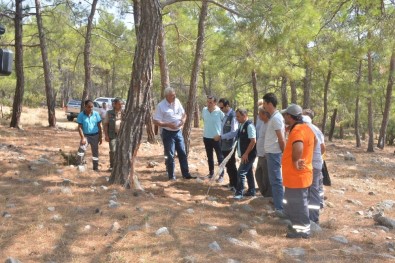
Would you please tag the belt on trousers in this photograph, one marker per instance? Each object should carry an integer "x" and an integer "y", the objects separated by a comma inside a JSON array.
[
  {"x": 91, "y": 134},
  {"x": 170, "y": 131}
]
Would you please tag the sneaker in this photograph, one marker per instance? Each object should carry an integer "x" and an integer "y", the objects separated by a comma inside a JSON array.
[
  {"x": 220, "y": 179},
  {"x": 297, "y": 235},
  {"x": 209, "y": 176},
  {"x": 280, "y": 214},
  {"x": 238, "y": 197},
  {"x": 232, "y": 188},
  {"x": 189, "y": 177},
  {"x": 249, "y": 194},
  {"x": 173, "y": 179}
]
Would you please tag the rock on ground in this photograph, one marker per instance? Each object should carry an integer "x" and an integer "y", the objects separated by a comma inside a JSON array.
[
  {"x": 214, "y": 246},
  {"x": 340, "y": 239}
]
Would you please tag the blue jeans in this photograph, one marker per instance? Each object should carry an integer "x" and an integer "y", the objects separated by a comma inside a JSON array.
[
  {"x": 173, "y": 140},
  {"x": 275, "y": 178},
  {"x": 245, "y": 170}
]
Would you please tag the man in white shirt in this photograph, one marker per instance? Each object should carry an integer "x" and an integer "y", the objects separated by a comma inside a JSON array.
[
  {"x": 170, "y": 115},
  {"x": 274, "y": 147}
]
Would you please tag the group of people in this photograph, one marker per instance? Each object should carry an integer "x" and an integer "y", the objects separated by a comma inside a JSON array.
[{"x": 288, "y": 146}]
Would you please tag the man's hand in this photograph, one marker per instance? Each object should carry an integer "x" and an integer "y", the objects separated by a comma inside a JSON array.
[
  {"x": 100, "y": 140},
  {"x": 300, "y": 164},
  {"x": 217, "y": 138},
  {"x": 173, "y": 126},
  {"x": 244, "y": 158},
  {"x": 83, "y": 141},
  {"x": 107, "y": 138}
]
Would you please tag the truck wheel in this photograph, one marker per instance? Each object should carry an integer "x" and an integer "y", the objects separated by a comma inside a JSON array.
[{"x": 70, "y": 118}]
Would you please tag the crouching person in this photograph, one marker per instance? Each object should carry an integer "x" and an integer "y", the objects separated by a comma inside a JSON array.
[
  {"x": 89, "y": 129},
  {"x": 112, "y": 124}
]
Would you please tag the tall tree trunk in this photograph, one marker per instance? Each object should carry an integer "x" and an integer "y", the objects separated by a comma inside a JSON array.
[
  {"x": 370, "y": 102},
  {"x": 387, "y": 107},
  {"x": 149, "y": 125},
  {"x": 294, "y": 94},
  {"x": 307, "y": 87},
  {"x": 206, "y": 88},
  {"x": 326, "y": 89},
  {"x": 87, "y": 55},
  {"x": 20, "y": 77},
  {"x": 255, "y": 90},
  {"x": 195, "y": 72},
  {"x": 196, "y": 117},
  {"x": 356, "y": 118},
  {"x": 113, "y": 79},
  {"x": 284, "y": 95},
  {"x": 49, "y": 91},
  {"x": 164, "y": 68},
  {"x": 333, "y": 124},
  {"x": 147, "y": 15}
]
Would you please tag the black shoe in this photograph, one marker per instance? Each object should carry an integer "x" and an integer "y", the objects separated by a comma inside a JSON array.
[
  {"x": 189, "y": 177},
  {"x": 297, "y": 235},
  {"x": 249, "y": 194},
  {"x": 172, "y": 179}
]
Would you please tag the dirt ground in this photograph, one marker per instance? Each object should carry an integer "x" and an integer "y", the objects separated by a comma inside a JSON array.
[{"x": 51, "y": 212}]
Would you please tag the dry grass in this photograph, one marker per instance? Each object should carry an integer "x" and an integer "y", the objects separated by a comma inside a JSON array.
[{"x": 32, "y": 235}]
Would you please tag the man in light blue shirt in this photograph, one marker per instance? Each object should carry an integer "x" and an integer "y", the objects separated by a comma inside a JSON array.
[{"x": 212, "y": 117}]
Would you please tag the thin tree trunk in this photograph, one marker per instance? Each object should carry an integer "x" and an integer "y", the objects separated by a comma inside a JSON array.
[
  {"x": 113, "y": 79},
  {"x": 49, "y": 91},
  {"x": 195, "y": 72},
  {"x": 333, "y": 124},
  {"x": 255, "y": 90},
  {"x": 149, "y": 125},
  {"x": 148, "y": 17},
  {"x": 370, "y": 103},
  {"x": 307, "y": 88},
  {"x": 356, "y": 118},
  {"x": 20, "y": 77},
  {"x": 164, "y": 68},
  {"x": 284, "y": 95},
  {"x": 196, "y": 118},
  {"x": 294, "y": 94},
  {"x": 387, "y": 107},
  {"x": 87, "y": 55},
  {"x": 326, "y": 89}
]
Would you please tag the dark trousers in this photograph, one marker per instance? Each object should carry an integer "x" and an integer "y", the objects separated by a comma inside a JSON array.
[
  {"x": 93, "y": 141},
  {"x": 211, "y": 146},
  {"x": 173, "y": 141},
  {"x": 262, "y": 177},
  {"x": 231, "y": 168},
  {"x": 245, "y": 171},
  {"x": 296, "y": 208},
  {"x": 113, "y": 146}
]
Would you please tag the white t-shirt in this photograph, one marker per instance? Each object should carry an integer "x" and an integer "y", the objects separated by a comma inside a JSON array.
[
  {"x": 169, "y": 112},
  {"x": 260, "y": 143},
  {"x": 275, "y": 123},
  {"x": 317, "y": 155}
]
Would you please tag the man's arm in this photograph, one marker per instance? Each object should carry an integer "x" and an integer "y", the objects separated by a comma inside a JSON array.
[
  {"x": 281, "y": 141},
  {"x": 106, "y": 125},
  {"x": 323, "y": 148},
  {"x": 297, "y": 151},
  {"x": 100, "y": 133},
  {"x": 82, "y": 141},
  {"x": 244, "y": 157}
]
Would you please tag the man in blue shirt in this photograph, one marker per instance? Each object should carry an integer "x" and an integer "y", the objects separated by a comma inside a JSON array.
[
  {"x": 89, "y": 128},
  {"x": 212, "y": 117}
]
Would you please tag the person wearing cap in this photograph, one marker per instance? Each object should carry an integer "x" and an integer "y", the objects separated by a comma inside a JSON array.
[
  {"x": 227, "y": 139},
  {"x": 297, "y": 172},
  {"x": 274, "y": 147},
  {"x": 316, "y": 189},
  {"x": 111, "y": 124},
  {"x": 261, "y": 172},
  {"x": 212, "y": 117},
  {"x": 170, "y": 115},
  {"x": 246, "y": 150}
]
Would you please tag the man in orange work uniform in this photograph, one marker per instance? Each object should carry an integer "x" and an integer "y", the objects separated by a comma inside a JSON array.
[{"x": 297, "y": 171}]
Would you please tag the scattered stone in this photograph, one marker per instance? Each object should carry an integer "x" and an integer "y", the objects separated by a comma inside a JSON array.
[
  {"x": 214, "y": 246},
  {"x": 360, "y": 213},
  {"x": 294, "y": 252},
  {"x": 212, "y": 228},
  {"x": 339, "y": 192},
  {"x": 36, "y": 183},
  {"x": 252, "y": 232},
  {"x": 113, "y": 197},
  {"x": 354, "y": 202},
  {"x": 12, "y": 260},
  {"x": 234, "y": 241},
  {"x": 152, "y": 164},
  {"x": 6, "y": 214},
  {"x": 97, "y": 210},
  {"x": 390, "y": 245},
  {"x": 212, "y": 198},
  {"x": 384, "y": 221},
  {"x": 386, "y": 204},
  {"x": 162, "y": 231},
  {"x": 190, "y": 211},
  {"x": 57, "y": 217},
  {"x": 383, "y": 228},
  {"x": 247, "y": 208},
  {"x": 115, "y": 226},
  {"x": 315, "y": 228},
  {"x": 17, "y": 173},
  {"x": 114, "y": 192},
  {"x": 87, "y": 228},
  {"x": 51, "y": 208},
  {"x": 59, "y": 171},
  {"x": 103, "y": 187},
  {"x": 81, "y": 168},
  {"x": 189, "y": 259},
  {"x": 349, "y": 157},
  {"x": 371, "y": 193},
  {"x": 199, "y": 180},
  {"x": 10, "y": 206},
  {"x": 340, "y": 239},
  {"x": 355, "y": 231},
  {"x": 113, "y": 204},
  {"x": 230, "y": 260},
  {"x": 134, "y": 228},
  {"x": 243, "y": 227},
  {"x": 66, "y": 190}
]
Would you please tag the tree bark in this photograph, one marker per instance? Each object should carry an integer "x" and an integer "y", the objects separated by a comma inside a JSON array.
[
  {"x": 206, "y": 88},
  {"x": 196, "y": 117},
  {"x": 333, "y": 124},
  {"x": 149, "y": 125},
  {"x": 294, "y": 94},
  {"x": 20, "y": 77},
  {"x": 164, "y": 68},
  {"x": 356, "y": 118},
  {"x": 148, "y": 18},
  {"x": 87, "y": 55},
  {"x": 326, "y": 89},
  {"x": 49, "y": 91},
  {"x": 370, "y": 103},
  {"x": 284, "y": 95},
  {"x": 307, "y": 87},
  {"x": 255, "y": 90},
  {"x": 387, "y": 107},
  {"x": 194, "y": 76}
]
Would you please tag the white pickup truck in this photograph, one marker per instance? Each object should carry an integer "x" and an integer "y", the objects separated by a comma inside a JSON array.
[{"x": 73, "y": 109}]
